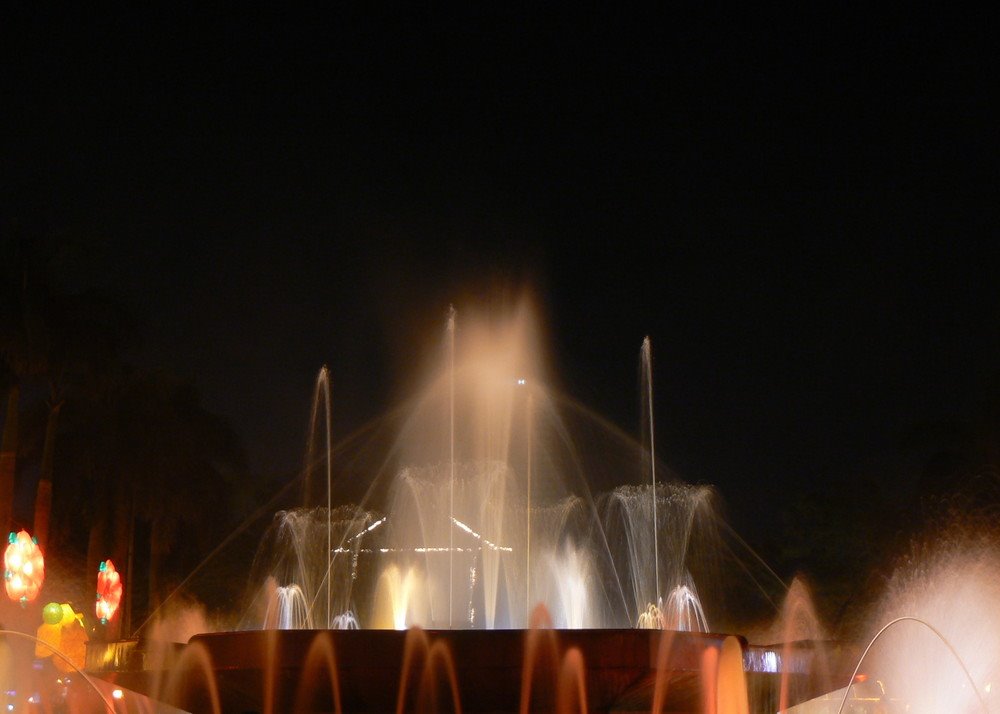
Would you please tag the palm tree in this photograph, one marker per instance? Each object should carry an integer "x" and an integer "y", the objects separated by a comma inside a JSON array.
[{"x": 134, "y": 447}]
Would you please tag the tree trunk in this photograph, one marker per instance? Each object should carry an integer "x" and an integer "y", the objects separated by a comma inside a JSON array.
[
  {"x": 123, "y": 534},
  {"x": 121, "y": 524},
  {"x": 43, "y": 497},
  {"x": 158, "y": 547},
  {"x": 96, "y": 549},
  {"x": 43, "y": 511},
  {"x": 8, "y": 460}
]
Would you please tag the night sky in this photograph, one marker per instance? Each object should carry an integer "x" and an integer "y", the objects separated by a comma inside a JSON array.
[{"x": 801, "y": 212}]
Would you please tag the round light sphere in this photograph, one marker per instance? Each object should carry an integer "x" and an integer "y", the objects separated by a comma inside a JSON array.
[{"x": 52, "y": 614}]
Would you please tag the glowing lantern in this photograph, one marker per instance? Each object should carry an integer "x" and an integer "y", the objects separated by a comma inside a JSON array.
[
  {"x": 50, "y": 632},
  {"x": 24, "y": 568},
  {"x": 62, "y": 631},
  {"x": 109, "y": 591},
  {"x": 73, "y": 641},
  {"x": 49, "y": 638}
]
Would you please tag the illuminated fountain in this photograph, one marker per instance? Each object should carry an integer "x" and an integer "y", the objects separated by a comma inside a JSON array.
[
  {"x": 937, "y": 643},
  {"x": 475, "y": 513},
  {"x": 628, "y": 518},
  {"x": 466, "y": 518},
  {"x": 484, "y": 482},
  {"x": 287, "y": 608},
  {"x": 480, "y": 506},
  {"x": 481, "y": 510},
  {"x": 294, "y": 569}
]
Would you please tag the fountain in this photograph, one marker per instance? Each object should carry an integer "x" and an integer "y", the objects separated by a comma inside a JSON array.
[
  {"x": 647, "y": 402},
  {"x": 292, "y": 561},
  {"x": 472, "y": 568},
  {"x": 477, "y": 511},
  {"x": 678, "y": 510},
  {"x": 943, "y": 652},
  {"x": 287, "y": 608}
]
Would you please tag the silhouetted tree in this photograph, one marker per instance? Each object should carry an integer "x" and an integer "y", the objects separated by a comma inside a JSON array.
[
  {"x": 11, "y": 335},
  {"x": 114, "y": 447},
  {"x": 55, "y": 334},
  {"x": 145, "y": 451}
]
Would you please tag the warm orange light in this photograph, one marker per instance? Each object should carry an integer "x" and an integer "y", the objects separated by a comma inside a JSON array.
[
  {"x": 109, "y": 591},
  {"x": 24, "y": 568}
]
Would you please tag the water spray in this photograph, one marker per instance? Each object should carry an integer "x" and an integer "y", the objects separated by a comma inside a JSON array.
[
  {"x": 451, "y": 481},
  {"x": 944, "y": 640},
  {"x": 527, "y": 548},
  {"x": 325, "y": 378},
  {"x": 647, "y": 360}
]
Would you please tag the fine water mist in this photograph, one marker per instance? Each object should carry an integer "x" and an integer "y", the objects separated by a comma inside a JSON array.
[{"x": 951, "y": 663}]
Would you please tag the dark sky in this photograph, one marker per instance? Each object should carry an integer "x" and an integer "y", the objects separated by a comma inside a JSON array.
[{"x": 801, "y": 210}]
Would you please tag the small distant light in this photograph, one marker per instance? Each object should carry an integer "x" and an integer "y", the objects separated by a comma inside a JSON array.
[
  {"x": 10, "y": 707},
  {"x": 32, "y": 699},
  {"x": 117, "y": 694},
  {"x": 520, "y": 382},
  {"x": 988, "y": 687},
  {"x": 770, "y": 661}
]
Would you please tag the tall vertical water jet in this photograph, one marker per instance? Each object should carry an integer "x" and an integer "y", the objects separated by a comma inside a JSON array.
[
  {"x": 451, "y": 461},
  {"x": 647, "y": 380},
  {"x": 325, "y": 380},
  {"x": 329, "y": 507},
  {"x": 527, "y": 512},
  {"x": 314, "y": 454}
]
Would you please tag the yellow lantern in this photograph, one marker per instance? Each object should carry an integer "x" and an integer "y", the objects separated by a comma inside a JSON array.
[
  {"x": 65, "y": 635},
  {"x": 74, "y": 641}
]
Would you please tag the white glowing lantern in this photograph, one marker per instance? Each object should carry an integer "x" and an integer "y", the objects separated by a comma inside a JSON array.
[{"x": 24, "y": 568}]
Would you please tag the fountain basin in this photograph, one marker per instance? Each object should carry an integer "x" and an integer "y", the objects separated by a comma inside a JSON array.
[{"x": 619, "y": 669}]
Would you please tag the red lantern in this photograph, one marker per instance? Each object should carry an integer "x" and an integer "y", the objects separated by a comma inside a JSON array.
[
  {"x": 24, "y": 568},
  {"x": 109, "y": 591}
]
